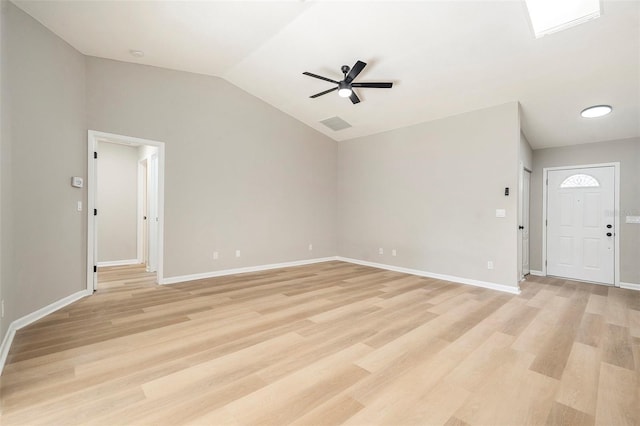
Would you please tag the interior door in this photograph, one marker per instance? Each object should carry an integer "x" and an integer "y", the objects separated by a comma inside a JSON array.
[
  {"x": 526, "y": 186},
  {"x": 580, "y": 224}
]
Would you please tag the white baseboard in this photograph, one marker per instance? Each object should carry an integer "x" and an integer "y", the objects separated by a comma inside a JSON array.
[
  {"x": 224, "y": 272},
  {"x": 33, "y": 317},
  {"x": 630, "y": 286},
  {"x": 537, "y": 273},
  {"x": 6, "y": 345},
  {"x": 119, "y": 262},
  {"x": 484, "y": 284}
]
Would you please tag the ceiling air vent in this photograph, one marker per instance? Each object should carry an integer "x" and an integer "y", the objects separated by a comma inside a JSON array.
[{"x": 336, "y": 123}]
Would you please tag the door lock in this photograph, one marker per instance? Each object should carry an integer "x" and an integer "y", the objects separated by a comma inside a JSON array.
[
  {"x": 609, "y": 234},
  {"x": 609, "y": 226}
]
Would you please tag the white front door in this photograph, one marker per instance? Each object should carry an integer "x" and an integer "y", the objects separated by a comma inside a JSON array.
[
  {"x": 580, "y": 224},
  {"x": 526, "y": 186}
]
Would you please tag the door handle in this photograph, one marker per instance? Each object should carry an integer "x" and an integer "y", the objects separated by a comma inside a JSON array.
[
  {"x": 609, "y": 234},
  {"x": 609, "y": 226},
  {"x": 520, "y": 227}
]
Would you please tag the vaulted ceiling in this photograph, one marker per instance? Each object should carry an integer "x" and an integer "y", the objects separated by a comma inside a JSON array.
[{"x": 444, "y": 57}]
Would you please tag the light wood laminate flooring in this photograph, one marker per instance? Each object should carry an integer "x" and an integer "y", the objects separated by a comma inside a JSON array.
[{"x": 329, "y": 343}]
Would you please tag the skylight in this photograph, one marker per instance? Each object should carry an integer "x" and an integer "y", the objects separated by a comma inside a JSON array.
[{"x": 550, "y": 16}]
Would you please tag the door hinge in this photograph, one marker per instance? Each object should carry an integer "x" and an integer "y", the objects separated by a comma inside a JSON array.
[
  {"x": 95, "y": 269},
  {"x": 95, "y": 154},
  {"x": 95, "y": 212}
]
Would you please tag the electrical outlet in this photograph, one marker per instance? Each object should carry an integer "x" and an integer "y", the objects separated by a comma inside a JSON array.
[
  {"x": 380, "y": 250},
  {"x": 237, "y": 253},
  {"x": 490, "y": 264},
  {"x": 215, "y": 255},
  {"x": 394, "y": 252},
  {"x": 310, "y": 247}
]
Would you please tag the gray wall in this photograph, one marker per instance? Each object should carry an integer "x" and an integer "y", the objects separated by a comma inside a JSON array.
[
  {"x": 239, "y": 174},
  {"x": 5, "y": 165},
  {"x": 627, "y": 152},
  {"x": 430, "y": 191},
  {"x": 43, "y": 147},
  {"x": 117, "y": 201}
]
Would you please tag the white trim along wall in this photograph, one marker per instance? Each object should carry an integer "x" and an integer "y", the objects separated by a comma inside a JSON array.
[
  {"x": 33, "y": 317},
  {"x": 243, "y": 270},
  {"x": 459, "y": 280},
  {"x": 630, "y": 286}
]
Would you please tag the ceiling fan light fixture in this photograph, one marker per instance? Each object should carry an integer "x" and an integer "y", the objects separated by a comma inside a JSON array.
[
  {"x": 596, "y": 111},
  {"x": 344, "y": 91}
]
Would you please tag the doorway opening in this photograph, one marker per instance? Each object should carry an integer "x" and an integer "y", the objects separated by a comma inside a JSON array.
[
  {"x": 581, "y": 222},
  {"x": 125, "y": 205}
]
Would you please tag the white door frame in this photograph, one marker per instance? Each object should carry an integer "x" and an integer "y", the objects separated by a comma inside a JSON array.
[
  {"x": 616, "y": 214},
  {"x": 152, "y": 212},
  {"x": 522, "y": 171},
  {"x": 141, "y": 210},
  {"x": 93, "y": 138}
]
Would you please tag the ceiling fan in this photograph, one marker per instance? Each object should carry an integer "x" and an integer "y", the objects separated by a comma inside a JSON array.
[{"x": 345, "y": 87}]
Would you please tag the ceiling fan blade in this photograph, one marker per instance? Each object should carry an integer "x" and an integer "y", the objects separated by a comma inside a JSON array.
[
  {"x": 357, "y": 68},
  {"x": 378, "y": 85},
  {"x": 354, "y": 98},
  {"x": 319, "y": 76},
  {"x": 323, "y": 93}
]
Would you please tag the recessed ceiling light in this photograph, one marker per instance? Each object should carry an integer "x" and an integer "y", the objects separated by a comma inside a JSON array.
[
  {"x": 550, "y": 16},
  {"x": 136, "y": 53},
  {"x": 596, "y": 111}
]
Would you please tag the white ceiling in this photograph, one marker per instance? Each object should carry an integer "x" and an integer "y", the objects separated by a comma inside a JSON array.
[{"x": 445, "y": 57}]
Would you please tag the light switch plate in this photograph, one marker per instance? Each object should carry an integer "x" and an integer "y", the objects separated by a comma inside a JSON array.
[
  {"x": 501, "y": 213},
  {"x": 633, "y": 219}
]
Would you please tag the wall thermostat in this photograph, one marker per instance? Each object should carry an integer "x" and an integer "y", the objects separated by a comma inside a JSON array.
[{"x": 77, "y": 182}]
